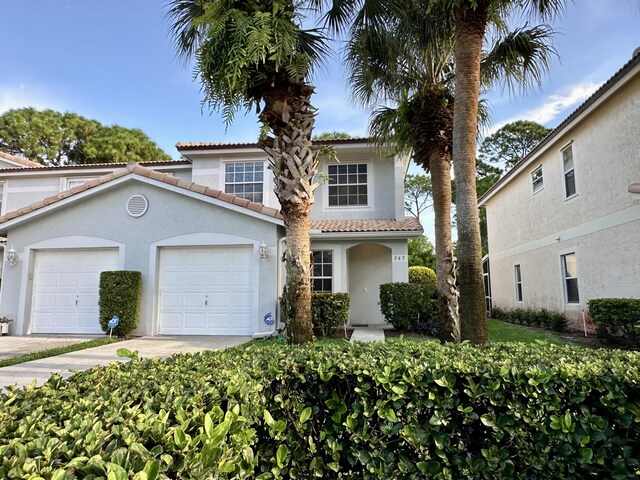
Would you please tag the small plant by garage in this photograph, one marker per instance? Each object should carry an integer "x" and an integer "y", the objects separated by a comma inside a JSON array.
[{"x": 120, "y": 294}]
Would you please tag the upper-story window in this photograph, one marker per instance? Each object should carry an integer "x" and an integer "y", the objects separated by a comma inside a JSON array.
[
  {"x": 71, "y": 182},
  {"x": 245, "y": 180},
  {"x": 570, "y": 274},
  {"x": 1, "y": 196},
  {"x": 348, "y": 185},
  {"x": 536, "y": 179},
  {"x": 569, "y": 172}
]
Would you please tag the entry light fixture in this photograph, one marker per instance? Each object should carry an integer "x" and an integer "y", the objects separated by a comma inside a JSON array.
[
  {"x": 264, "y": 250},
  {"x": 12, "y": 256}
]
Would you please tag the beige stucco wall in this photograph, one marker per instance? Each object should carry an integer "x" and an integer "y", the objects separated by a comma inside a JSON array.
[{"x": 601, "y": 224}]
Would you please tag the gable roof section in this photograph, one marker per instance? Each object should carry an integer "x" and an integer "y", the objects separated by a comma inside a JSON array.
[
  {"x": 408, "y": 225},
  {"x": 19, "y": 161},
  {"x": 132, "y": 168},
  {"x": 185, "y": 146},
  {"x": 92, "y": 166},
  {"x": 601, "y": 93}
]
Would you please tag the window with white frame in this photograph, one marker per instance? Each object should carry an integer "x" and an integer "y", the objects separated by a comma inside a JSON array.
[
  {"x": 570, "y": 277},
  {"x": 322, "y": 278},
  {"x": 245, "y": 180},
  {"x": 1, "y": 195},
  {"x": 517, "y": 273},
  {"x": 72, "y": 182},
  {"x": 536, "y": 179},
  {"x": 569, "y": 172},
  {"x": 348, "y": 185}
]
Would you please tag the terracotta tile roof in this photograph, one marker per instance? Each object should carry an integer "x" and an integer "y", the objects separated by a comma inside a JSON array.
[
  {"x": 90, "y": 166},
  {"x": 409, "y": 224},
  {"x": 134, "y": 168},
  {"x": 225, "y": 146},
  {"x": 20, "y": 160}
]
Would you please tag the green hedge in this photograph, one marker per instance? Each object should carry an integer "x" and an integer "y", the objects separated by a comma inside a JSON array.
[
  {"x": 424, "y": 275},
  {"x": 407, "y": 305},
  {"x": 120, "y": 294},
  {"x": 329, "y": 311},
  {"x": 617, "y": 319},
  {"x": 542, "y": 318},
  {"x": 393, "y": 410}
]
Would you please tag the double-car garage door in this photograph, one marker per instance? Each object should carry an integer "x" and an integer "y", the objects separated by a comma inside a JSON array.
[{"x": 201, "y": 290}]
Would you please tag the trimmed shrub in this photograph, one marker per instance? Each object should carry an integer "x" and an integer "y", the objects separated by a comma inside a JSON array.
[
  {"x": 329, "y": 311},
  {"x": 423, "y": 275},
  {"x": 404, "y": 305},
  {"x": 392, "y": 410},
  {"x": 120, "y": 294},
  {"x": 543, "y": 318},
  {"x": 616, "y": 319}
]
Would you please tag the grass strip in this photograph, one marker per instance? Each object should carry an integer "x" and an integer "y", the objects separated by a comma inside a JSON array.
[
  {"x": 52, "y": 352},
  {"x": 500, "y": 331}
]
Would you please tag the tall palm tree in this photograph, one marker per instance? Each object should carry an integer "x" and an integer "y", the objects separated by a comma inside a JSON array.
[
  {"x": 399, "y": 58},
  {"x": 256, "y": 55}
]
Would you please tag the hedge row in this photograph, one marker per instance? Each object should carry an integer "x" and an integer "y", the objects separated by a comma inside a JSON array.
[
  {"x": 329, "y": 311},
  {"x": 617, "y": 319},
  {"x": 120, "y": 294},
  {"x": 408, "y": 306},
  {"x": 393, "y": 410},
  {"x": 542, "y": 318}
]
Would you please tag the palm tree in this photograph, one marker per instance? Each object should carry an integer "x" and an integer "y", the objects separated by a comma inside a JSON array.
[
  {"x": 255, "y": 55},
  {"x": 399, "y": 58}
]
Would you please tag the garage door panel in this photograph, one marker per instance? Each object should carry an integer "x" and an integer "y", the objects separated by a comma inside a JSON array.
[
  {"x": 208, "y": 288},
  {"x": 66, "y": 289}
]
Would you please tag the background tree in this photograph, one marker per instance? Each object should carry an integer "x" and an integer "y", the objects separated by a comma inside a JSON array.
[
  {"x": 54, "y": 138},
  {"x": 511, "y": 143},
  {"x": 421, "y": 253},
  {"x": 332, "y": 136},
  {"x": 257, "y": 56},
  {"x": 417, "y": 194}
]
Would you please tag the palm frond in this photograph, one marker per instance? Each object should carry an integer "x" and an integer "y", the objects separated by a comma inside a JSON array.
[{"x": 182, "y": 17}]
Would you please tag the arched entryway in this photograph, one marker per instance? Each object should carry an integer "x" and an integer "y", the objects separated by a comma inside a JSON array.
[{"x": 369, "y": 266}]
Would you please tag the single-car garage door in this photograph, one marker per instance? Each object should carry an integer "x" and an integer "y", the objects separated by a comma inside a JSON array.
[
  {"x": 65, "y": 289},
  {"x": 206, "y": 291}
]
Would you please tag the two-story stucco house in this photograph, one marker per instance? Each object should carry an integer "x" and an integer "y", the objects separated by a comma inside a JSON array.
[
  {"x": 564, "y": 223},
  {"x": 205, "y": 232}
]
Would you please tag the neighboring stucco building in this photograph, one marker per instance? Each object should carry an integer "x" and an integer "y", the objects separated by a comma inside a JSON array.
[
  {"x": 204, "y": 231},
  {"x": 564, "y": 223}
]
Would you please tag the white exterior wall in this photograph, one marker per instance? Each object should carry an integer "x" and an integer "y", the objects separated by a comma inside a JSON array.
[{"x": 601, "y": 223}]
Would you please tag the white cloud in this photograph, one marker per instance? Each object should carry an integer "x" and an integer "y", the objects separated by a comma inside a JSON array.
[
  {"x": 20, "y": 96},
  {"x": 554, "y": 105}
]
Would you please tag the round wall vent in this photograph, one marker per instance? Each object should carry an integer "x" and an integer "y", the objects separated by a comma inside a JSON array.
[{"x": 137, "y": 205}]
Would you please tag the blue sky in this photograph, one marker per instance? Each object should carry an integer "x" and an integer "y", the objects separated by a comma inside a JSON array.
[{"x": 113, "y": 61}]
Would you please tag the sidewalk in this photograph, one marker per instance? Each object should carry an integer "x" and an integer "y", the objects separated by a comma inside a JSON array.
[{"x": 365, "y": 334}]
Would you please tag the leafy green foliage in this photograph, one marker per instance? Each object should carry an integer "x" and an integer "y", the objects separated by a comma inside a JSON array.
[
  {"x": 54, "y": 138},
  {"x": 543, "y": 318},
  {"x": 120, "y": 294},
  {"x": 417, "y": 194},
  {"x": 332, "y": 136},
  {"x": 393, "y": 410},
  {"x": 423, "y": 275},
  {"x": 329, "y": 311},
  {"x": 405, "y": 305},
  {"x": 421, "y": 252},
  {"x": 617, "y": 319},
  {"x": 511, "y": 143}
]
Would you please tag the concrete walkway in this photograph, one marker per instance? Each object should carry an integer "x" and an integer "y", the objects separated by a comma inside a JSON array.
[
  {"x": 147, "y": 347},
  {"x": 14, "y": 346},
  {"x": 366, "y": 334}
]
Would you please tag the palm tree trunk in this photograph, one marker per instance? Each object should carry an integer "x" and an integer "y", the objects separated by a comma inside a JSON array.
[
  {"x": 440, "y": 168},
  {"x": 291, "y": 117},
  {"x": 469, "y": 35}
]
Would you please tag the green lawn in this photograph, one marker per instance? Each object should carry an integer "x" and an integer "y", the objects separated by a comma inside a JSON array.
[
  {"x": 58, "y": 351},
  {"x": 500, "y": 331}
]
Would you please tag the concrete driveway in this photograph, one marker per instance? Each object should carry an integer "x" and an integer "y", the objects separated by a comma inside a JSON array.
[
  {"x": 147, "y": 347},
  {"x": 14, "y": 346}
]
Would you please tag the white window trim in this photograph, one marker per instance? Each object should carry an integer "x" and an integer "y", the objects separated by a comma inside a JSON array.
[
  {"x": 265, "y": 170},
  {"x": 563, "y": 278},
  {"x": 533, "y": 190},
  {"x": 517, "y": 282},
  {"x": 564, "y": 173},
  {"x": 64, "y": 182},
  {"x": 3, "y": 205},
  {"x": 370, "y": 183},
  {"x": 333, "y": 270}
]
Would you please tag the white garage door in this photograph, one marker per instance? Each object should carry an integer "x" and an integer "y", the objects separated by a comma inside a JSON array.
[
  {"x": 206, "y": 291},
  {"x": 65, "y": 289}
]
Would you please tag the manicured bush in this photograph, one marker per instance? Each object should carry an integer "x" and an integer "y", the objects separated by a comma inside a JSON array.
[
  {"x": 329, "y": 311},
  {"x": 393, "y": 410},
  {"x": 120, "y": 294},
  {"x": 405, "y": 304},
  {"x": 543, "y": 318},
  {"x": 423, "y": 275},
  {"x": 617, "y": 319}
]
